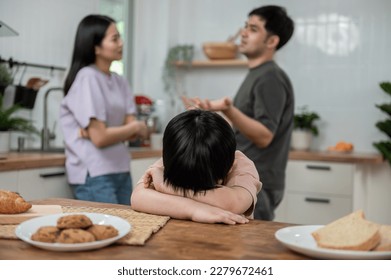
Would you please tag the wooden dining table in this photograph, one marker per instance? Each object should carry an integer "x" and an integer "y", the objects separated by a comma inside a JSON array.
[{"x": 178, "y": 239}]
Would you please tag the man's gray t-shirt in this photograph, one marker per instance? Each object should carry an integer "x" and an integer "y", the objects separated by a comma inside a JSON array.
[{"x": 266, "y": 95}]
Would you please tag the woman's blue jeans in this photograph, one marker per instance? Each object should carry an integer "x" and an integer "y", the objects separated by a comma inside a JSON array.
[{"x": 111, "y": 188}]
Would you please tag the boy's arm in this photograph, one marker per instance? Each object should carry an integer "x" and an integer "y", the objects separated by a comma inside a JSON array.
[
  {"x": 151, "y": 201},
  {"x": 235, "y": 198},
  {"x": 238, "y": 196}
]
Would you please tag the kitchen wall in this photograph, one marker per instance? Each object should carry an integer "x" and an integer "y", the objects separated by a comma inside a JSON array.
[{"x": 336, "y": 58}]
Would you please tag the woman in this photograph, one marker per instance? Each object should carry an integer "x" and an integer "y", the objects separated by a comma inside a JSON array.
[{"x": 98, "y": 115}]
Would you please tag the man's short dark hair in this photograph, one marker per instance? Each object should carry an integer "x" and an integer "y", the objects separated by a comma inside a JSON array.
[
  {"x": 198, "y": 150},
  {"x": 277, "y": 22}
]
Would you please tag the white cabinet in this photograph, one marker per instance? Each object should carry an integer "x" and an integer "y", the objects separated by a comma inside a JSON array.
[
  {"x": 9, "y": 180},
  {"x": 50, "y": 182},
  {"x": 316, "y": 192},
  {"x": 43, "y": 183}
]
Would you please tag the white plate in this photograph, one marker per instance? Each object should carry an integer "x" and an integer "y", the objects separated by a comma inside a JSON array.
[
  {"x": 27, "y": 228},
  {"x": 299, "y": 239}
]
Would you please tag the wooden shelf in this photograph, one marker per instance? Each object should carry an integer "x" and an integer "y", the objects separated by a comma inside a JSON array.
[{"x": 214, "y": 63}]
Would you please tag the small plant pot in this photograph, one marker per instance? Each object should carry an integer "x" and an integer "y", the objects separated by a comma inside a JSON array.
[{"x": 301, "y": 140}]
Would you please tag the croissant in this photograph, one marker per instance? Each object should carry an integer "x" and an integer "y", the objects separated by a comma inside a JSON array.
[{"x": 12, "y": 203}]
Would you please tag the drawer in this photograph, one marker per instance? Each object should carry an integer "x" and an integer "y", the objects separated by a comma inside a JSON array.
[
  {"x": 315, "y": 209},
  {"x": 322, "y": 177},
  {"x": 43, "y": 183}
]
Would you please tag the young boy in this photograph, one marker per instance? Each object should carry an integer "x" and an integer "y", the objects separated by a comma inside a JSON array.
[{"x": 201, "y": 176}]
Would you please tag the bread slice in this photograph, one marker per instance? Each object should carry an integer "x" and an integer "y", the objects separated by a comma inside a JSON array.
[
  {"x": 385, "y": 239},
  {"x": 351, "y": 232}
]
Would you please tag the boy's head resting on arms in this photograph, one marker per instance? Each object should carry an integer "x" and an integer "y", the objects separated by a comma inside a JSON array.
[{"x": 198, "y": 150}]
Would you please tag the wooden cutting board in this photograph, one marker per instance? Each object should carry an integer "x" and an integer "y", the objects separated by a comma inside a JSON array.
[{"x": 34, "y": 211}]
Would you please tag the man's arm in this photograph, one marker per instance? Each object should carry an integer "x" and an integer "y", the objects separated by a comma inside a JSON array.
[{"x": 259, "y": 134}]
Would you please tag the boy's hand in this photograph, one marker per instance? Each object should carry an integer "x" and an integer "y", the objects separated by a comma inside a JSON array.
[
  {"x": 154, "y": 177},
  {"x": 211, "y": 215},
  {"x": 148, "y": 181}
]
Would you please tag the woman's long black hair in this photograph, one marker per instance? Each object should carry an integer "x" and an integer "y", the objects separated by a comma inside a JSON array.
[
  {"x": 90, "y": 33},
  {"x": 198, "y": 150}
]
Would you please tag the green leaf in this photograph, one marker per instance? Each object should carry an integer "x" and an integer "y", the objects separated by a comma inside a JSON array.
[
  {"x": 386, "y": 86},
  {"x": 385, "y": 149},
  {"x": 10, "y": 123},
  {"x": 386, "y": 108},
  {"x": 183, "y": 53},
  {"x": 5, "y": 76},
  {"x": 385, "y": 126},
  {"x": 305, "y": 120}
]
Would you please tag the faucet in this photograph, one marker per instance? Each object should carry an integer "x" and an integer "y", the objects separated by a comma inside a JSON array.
[{"x": 46, "y": 134}]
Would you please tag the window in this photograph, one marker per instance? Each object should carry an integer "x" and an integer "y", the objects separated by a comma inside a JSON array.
[{"x": 120, "y": 11}]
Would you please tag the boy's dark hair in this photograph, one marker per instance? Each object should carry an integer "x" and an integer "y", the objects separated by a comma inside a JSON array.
[
  {"x": 277, "y": 22},
  {"x": 198, "y": 150}
]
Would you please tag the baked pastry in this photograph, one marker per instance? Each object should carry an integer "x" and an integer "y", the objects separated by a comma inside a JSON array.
[
  {"x": 47, "y": 234},
  {"x": 74, "y": 221},
  {"x": 75, "y": 228},
  {"x": 75, "y": 235},
  {"x": 351, "y": 232},
  {"x": 12, "y": 203},
  {"x": 103, "y": 231}
]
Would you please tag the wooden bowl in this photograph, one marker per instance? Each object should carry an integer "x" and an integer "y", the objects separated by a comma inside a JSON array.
[{"x": 220, "y": 50}]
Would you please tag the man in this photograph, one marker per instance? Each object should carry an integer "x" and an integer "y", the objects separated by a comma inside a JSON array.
[{"x": 262, "y": 110}]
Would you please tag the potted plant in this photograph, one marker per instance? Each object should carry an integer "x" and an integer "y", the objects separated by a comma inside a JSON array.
[
  {"x": 182, "y": 53},
  {"x": 304, "y": 128},
  {"x": 384, "y": 147},
  {"x": 9, "y": 122},
  {"x": 5, "y": 78}
]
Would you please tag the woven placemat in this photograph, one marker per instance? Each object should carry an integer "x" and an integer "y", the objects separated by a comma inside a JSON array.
[
  {"x": 7, "y": 232},
  {"x": 143, "y": 225}
]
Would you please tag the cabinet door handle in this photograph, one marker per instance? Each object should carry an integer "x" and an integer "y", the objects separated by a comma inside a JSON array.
[
  {"x": 54, "y": 174},
  {"x": 319, "y": 167},
  {"x": 317, "y": 200}
]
